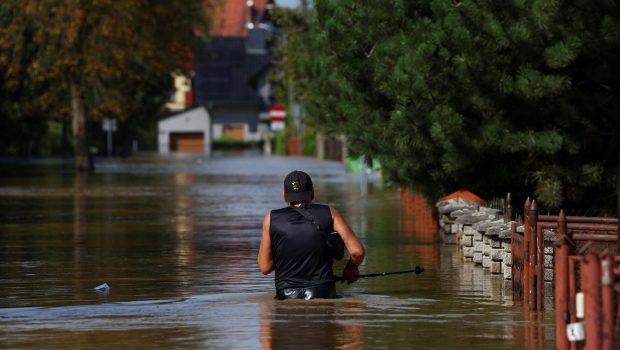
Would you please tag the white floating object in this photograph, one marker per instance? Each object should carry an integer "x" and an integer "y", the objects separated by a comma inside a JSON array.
[
  {"x": 102, "y": 288},
  {"x": 574, "y": 331},
  {"x": 579, "y": 312}
]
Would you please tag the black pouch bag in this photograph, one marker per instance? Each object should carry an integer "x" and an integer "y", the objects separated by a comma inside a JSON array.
[{"x": 332, "y": 240}]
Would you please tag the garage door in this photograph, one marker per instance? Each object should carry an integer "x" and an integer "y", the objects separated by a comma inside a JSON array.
[
  {"x": 187, "y": 142},
  {"x": 234, "y": 132}
]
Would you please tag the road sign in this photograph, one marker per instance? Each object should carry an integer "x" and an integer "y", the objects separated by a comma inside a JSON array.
[
  {"x": 109, "y": 124},
  {"x": 277, "y": 114}
]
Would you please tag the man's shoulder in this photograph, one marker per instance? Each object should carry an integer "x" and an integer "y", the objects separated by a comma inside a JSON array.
[
  {"x": 281, "y": 210},
  {"x": 321, "y": 209},
  {"x": 320, "y": 205},
  {"x": 313, "y": 206}
]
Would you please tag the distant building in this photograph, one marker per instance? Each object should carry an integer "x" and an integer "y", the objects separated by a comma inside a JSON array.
[
  {"x": 186, "y": 131},
  {"x": 230, "y": 73}
]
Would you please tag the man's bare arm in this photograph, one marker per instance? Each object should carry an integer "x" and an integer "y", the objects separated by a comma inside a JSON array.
[
  {"x": 353, "y": 244},
  {"x": 265, "y": 256}
]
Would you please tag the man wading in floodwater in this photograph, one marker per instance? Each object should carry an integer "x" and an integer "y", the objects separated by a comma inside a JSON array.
[{"x": 292, "y": 246}]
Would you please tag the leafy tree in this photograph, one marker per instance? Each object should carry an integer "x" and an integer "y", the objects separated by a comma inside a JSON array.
[
  {"x": 93, "y": 59},
  {"x": 518, "y": 96}
]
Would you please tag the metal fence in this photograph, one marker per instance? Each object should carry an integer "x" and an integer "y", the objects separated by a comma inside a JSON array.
[
  {"x": 586, "y": 287},
  {"x": 586, "y": 271}
]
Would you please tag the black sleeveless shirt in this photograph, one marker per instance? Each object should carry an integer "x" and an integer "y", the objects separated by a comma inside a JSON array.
[{"x": 300, "y": 255}]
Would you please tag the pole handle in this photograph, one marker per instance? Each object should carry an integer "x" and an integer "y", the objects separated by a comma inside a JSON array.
[{"x": 418, "y": 270}]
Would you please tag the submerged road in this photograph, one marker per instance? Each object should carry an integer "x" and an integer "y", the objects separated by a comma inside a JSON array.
[{"x": 176, "y": 239}]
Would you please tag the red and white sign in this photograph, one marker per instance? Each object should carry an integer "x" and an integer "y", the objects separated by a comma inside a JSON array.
[{"x": 277, "y": 114}]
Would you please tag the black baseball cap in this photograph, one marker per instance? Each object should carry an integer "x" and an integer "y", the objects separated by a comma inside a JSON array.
[{"x": 298, "y": 187}]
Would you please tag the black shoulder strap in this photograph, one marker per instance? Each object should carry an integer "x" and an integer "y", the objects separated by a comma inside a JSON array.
[{"x": 308, "y": 216}]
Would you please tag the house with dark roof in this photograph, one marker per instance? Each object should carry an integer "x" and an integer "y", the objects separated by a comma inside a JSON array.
[
  {"x": 230, "y": 72},
  {"x": 187, "y": 131}
]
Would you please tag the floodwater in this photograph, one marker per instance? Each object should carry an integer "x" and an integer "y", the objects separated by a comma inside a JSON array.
[{"x": 176, "y": 240}]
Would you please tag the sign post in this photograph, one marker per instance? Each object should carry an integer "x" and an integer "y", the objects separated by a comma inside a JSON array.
[
  {"x": 109, "y": 125},
  {"x": 277, "y": 114}
]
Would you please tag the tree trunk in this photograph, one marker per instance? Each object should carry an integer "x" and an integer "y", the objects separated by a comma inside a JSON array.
[{"x": 79, "y": 131}]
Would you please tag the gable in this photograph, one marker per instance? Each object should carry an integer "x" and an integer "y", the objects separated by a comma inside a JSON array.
[{"x": 191, "y": 119}]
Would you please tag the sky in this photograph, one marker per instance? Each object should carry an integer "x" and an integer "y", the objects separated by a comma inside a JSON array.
[{"x": 287, "y": 3}]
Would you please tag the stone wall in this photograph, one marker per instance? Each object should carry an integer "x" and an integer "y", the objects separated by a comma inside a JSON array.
[{"x": 483, "y": 236}]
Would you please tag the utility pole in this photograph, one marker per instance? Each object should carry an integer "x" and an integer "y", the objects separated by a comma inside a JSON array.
[{"x": 296, "y": 115}]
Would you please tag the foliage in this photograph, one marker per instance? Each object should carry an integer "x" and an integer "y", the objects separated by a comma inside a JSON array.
[
  {"x": 512, "y": 96},
  {"x": 280, "y": 142},
  {"x": 100, "y": 58},
  {"x": 288, "y": 80},
  {"x": 228, "y": 142},
  {"x": 309, "y": 142}
]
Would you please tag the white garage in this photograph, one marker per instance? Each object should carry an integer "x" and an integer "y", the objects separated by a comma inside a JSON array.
[{"x": 188, "y": 131}]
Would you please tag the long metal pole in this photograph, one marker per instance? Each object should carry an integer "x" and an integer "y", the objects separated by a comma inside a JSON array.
[
  {"x": 561, "y": 285},
  {"x": 540, "y": 269},
  {"x": 532, "y": 222},
  {"x": 513, "y": 245},
  {"x": 591, "y": 287},
  {"x": 526, "y": 252},
  {"x": 418, "y": 270},
  {"x": 607, "y": 295}
]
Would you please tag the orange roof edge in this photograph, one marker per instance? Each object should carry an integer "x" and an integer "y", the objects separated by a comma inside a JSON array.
[{"x": 463, "y": 194}]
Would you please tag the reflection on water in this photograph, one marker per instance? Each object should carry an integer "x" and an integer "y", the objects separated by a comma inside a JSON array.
[
  {"x": 176, "y": 239},
  {"x": 315, "y": 325}
]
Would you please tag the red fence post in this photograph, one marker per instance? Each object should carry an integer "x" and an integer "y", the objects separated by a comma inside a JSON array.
[
  {"x": 518, "y": 264},
  {"x": 526, "y": 252},
  {"x": 562, "y": 316},
  {"x": 533, "y": 254},
  {"x": 607, "y": 293},
  {"x": 513, "y": 246},
  {"x": 540, "y": 268},
  {"x": 590, "y": 285},
  {"x": 572, "y": 290}
]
